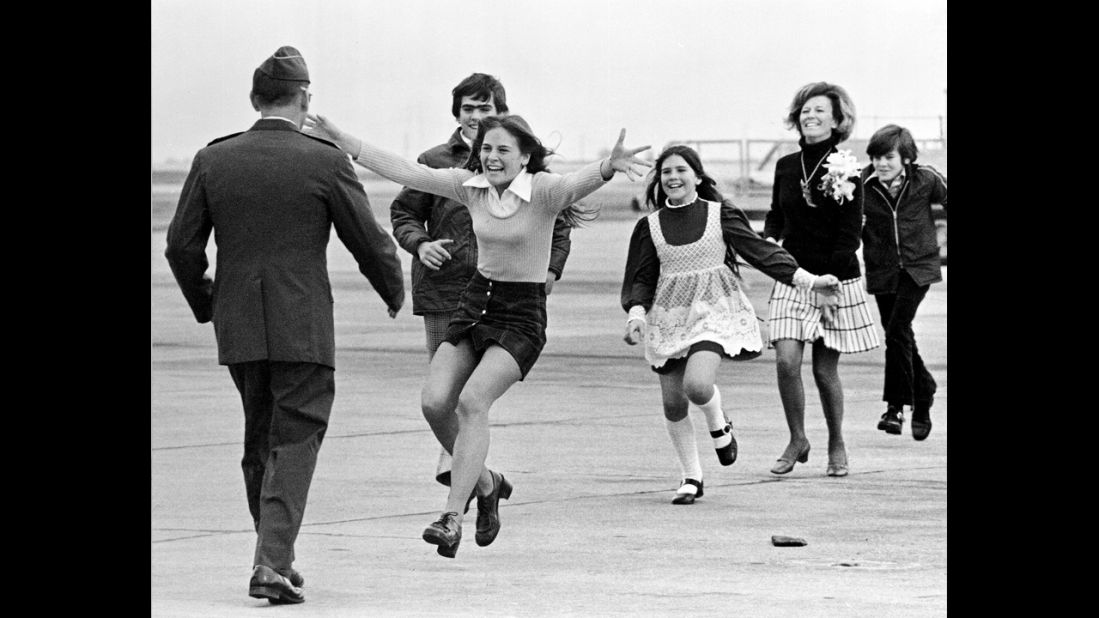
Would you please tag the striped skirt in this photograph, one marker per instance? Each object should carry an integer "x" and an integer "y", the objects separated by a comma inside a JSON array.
[{"x": 797, "y": 315}]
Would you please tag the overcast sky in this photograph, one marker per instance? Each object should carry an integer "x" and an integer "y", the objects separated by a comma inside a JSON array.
[{"x": 578, "y": 70}]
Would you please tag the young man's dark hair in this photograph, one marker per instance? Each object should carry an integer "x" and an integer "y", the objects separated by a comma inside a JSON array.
[
  {"x": 479, "y": 86},
  {"x": 892, "y": 136}
]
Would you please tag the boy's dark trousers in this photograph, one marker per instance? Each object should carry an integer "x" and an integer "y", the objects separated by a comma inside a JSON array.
[{"x": 907, "y": 380}]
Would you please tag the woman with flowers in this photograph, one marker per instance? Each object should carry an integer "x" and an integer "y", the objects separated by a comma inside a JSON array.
[
  {"x": 684, "y": 299},
  {"x": 816, "y": 213}
]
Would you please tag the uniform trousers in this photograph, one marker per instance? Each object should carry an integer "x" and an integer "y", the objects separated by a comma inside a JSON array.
[{"x": 286, "y": 410}]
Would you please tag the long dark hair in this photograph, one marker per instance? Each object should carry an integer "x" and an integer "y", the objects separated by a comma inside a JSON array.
[
  {"x": 655, "y": 196},
  {"x": 529, "y": 144},
  {"x": 707, "y": 190}
]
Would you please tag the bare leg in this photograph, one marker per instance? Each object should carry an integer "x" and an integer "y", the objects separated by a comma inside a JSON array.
[
  {"x": 788, "y": 356},
  {"x": 435, "y": 327},
  {"x": 450, "y": 369},
  {"x": 699, "y": 376},
  {"x": 491, "y": 378}
]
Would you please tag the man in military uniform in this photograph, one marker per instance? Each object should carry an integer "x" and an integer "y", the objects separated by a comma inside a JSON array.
[{"x": 271, "y": 195}]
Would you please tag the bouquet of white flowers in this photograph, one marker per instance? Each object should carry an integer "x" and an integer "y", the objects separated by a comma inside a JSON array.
[{"x": 842, "y": 167}]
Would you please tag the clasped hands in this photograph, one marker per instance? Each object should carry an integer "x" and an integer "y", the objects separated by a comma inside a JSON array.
[
  {"x": 634, "y": 331},
  {"x": 828, "y": 289}
]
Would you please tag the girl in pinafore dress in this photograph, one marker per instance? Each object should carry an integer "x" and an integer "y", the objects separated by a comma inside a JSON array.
[{"x": 687, "y": 304}]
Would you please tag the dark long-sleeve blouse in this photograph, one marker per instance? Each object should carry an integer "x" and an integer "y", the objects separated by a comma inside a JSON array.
[
  {"x": 823, "y": 239},
  {"x": 685, "y": 225}
]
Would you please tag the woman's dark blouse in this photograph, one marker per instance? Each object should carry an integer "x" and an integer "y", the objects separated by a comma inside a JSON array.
[
  {"x": 822, "y": 239},
  {"x": 686, "y": 225}
]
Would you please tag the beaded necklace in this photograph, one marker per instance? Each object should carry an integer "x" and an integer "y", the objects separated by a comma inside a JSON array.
[{"x": 805, "y": 178}]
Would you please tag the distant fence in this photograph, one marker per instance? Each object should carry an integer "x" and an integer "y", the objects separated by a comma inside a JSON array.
[
  {"x": 746, "y": 169},
  {"x": 747, "y": 166}
]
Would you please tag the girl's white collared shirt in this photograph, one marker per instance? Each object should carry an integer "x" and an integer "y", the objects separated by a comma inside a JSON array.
[
  {"x": 507, "y": 204},
  {"x": 513, "y": 230}
]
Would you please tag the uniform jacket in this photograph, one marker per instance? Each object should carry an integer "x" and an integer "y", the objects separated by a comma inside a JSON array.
[
  {"x": 271, "y": 196},
  {"x": 900, "y": 234},
  {"x": 420, "y": 217}
]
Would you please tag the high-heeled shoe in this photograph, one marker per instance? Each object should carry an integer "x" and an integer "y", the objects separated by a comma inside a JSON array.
[
  {"x": 785, "y": 464},
  {"x": 446, "y": 532},
  {"x": 686, "y": 497},
  {"x": 837, "y": 463},
  {"x": 488, "y": 510},
  {"x": 726, "y": 454}
]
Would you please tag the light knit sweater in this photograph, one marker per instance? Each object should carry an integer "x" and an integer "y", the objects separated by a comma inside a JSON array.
[{"x": 513, "y": 230}]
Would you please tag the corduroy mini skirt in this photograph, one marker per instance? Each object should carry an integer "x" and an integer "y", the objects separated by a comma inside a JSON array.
[{"x": 510, "y": 314}]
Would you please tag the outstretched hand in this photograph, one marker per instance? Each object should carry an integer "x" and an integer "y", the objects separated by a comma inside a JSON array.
[
  {"x": 320, "y": 126},
  {"x": 622, "y": 159}
]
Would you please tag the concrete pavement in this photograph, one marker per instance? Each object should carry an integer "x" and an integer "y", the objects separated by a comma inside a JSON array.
[{"x": 589, "y": 530}]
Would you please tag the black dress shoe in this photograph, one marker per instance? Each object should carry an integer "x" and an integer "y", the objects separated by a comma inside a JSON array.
[
  {"x": 295, "y": 578},
  {"x": 266, "y": 583},
  {"x": 921, "y": 419},
  {"x": 726, "y": 454},
  {"x": 488, "y": 510},
  {"x": 920, "y": 428},
  {"x": 446, "y": 532},
  {"x": 688, "y": 498},
  {"x": 892, "y": 420}
]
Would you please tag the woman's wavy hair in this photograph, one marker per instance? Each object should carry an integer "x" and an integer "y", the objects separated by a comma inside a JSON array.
[
  {"x": 655, "y": 196},
  {"x": 843, "y": 108},
  {"x": 529, "y": 144}
]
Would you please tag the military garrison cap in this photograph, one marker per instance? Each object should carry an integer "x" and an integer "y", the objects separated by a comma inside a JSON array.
[{"x": 286, "y": 64}]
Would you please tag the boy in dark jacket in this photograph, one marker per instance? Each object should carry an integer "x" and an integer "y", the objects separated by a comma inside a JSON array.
[{"x": 901, "y": 254}]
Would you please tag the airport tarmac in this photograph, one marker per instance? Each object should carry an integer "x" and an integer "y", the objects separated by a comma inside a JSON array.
[{"x": 589, "y": 529}]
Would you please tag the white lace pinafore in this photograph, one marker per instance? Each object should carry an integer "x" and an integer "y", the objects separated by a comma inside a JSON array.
[{"x": 698, "y": 298}]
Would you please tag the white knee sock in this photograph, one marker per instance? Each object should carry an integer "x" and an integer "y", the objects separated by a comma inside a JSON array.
[
  {"x": 715, "y": 418},
  {"x": 682, "y": 434}
]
